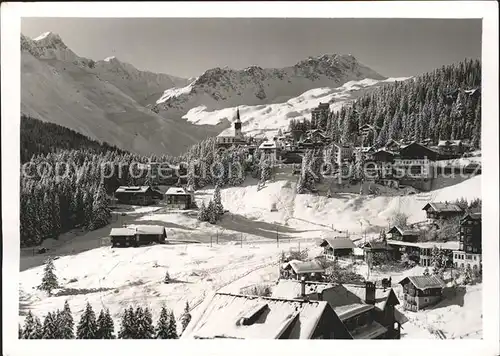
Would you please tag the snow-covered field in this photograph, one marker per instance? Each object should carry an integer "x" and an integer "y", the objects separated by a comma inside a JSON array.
[
  {"x": 266, "y": 120},
  {"x": 246, "y": 255}
]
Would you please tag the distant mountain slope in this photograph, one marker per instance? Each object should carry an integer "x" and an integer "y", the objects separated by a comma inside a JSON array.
[
  {"x": 60, "y": 87},
  {"x": 220, "y": 88}
]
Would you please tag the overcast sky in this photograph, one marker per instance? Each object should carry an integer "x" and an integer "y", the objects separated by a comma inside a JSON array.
[{"x": 187, "y": 47}]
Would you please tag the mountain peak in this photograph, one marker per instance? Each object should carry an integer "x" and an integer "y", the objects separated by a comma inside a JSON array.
[{"x": 111, "y": 59}]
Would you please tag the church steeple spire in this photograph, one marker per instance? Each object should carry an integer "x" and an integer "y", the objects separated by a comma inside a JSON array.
[{"x": 237, "y": 125}]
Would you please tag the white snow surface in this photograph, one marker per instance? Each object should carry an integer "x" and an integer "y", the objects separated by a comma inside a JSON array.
[
  {"x": 265, "y": 120},
  {"x": 247, "y": 254}
]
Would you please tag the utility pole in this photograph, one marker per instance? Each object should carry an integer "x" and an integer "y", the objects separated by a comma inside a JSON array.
[
  {"x": 241, "y": 240},
  {"x": 277, "y": 237},
  {"x": 217, "y": 238}
]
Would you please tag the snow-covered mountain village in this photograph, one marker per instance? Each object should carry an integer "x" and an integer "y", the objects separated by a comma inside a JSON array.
[{"x": 320, "y": 200}]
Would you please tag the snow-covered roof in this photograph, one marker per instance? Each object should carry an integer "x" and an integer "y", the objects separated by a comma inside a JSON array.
[
  {"x": 448, "y": 245},
  {"x": 149, "y": 230},
  {"x": 139, "y": 189},
  {"x": 424, "y": 282},
  {"x": 300, "y": 267},
  {"x": 121, "y": 231},
  {"x": 338, "y": 243},
  {"x": 442, "y": 143},
  {"x": 268, "y": 145},
  {"x": 347, "y": 300},
  {"x": 252, "y": 317},
  {"x": 443, "y": 207},
  {"x": 403, "y": 231},
  {"x": 137, "y": 230},
  {"x": 177, "y": 191}
]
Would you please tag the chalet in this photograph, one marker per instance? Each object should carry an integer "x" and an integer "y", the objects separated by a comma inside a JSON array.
[
  {"x": 143, "y": 195},
  {"x": 269, "y": 150},
  {"x": 450, "y": 147},
  {"x": 233, "y": 140},
  {"x": 363, "y": 153},
  {"x": 421, "y": 252},
  {"x": 367, "y": 312},
  {"x": 377, "y": 251},
  {"x": 469, "y": 251},
  {"x": 421, "y": 291},
  {"x": 179, "y": 198},
  {"x": 383, "y": 155},
  {"x": 403, "y": 234},
  {"x": 137, "y": 235},
  {"x": 309, "y": 270},
  {"x": 366, "y": 129},
  {"x": 337, "y": 247},
  {"x": 232, "y": 316},
  {"x": 439, "y": 210}
]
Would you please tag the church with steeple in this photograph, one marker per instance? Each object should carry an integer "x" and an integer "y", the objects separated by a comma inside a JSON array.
[{"x": 237, "y": 139}]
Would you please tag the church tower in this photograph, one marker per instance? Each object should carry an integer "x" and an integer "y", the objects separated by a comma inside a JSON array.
[{"x": 237, "y": 126}]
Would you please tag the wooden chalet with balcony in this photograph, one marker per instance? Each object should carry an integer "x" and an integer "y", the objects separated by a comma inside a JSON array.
[
  {"x": 179, "y": 198},
  {"x": 334, "y": 247},
  {"x": 308, "y": 270},
  {"x": 135, "y": 236},
  {"x": 421, "y": 291},
  {"x": 442, "y": 211}
]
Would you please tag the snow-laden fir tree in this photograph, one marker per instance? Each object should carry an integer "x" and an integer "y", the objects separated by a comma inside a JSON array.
[
  {"x": 66, "y": 323},
  {"x": 265, "y": 171},
  {"x": 87, "y": 327},
  {"x": 105, "y": 325},
  {"x": 49, "y": 279},
  {"x": 172, "y": 326},
  {"x": 49, "y": 330},
  {"x": 145, "y": 328},
  {"x": 203, "y": 212},
  {"x": 219, "y": 208},
  {"x": 185, "y": 317},
  {"x": 127, "y": 327},
  {"x": 101, "y": 214},
  {"x": 212, "y": 213},
  {"x": 161, "y": 330},
  {"x": 32, "y": 328}
]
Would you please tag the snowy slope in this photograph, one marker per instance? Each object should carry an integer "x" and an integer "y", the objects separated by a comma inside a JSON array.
[
  {"x": 344, "y": 212},
  {"x": 220, "y": 88},
  {"x": 60, "y": 87},
  {"x": 265, "y": 120}
]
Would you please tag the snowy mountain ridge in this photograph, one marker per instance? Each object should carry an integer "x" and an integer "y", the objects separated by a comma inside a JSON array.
[
  {"x": 266, "y": 120},
  {"x": 220, "y": 88}
]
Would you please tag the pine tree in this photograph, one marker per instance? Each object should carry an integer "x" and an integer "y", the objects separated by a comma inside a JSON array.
[
  {"x": 127, "y": 328},
  {"x": 219, "y": 208},
  {"x": 87, "y": 327},
  {"x": 29, "y": 330},
  {"x": 49, "y": 330},
  {"x": 101, "y": 214},
  {"x": 19, "y": 332},
  {"x": 161, "y": 330},
  {"x": 185, "y": 317},
  {"x": 172, "y": 326},
  {"x": 105, "y": 325},
  {"x": 66, "y": 323},
  {"x": 203, "y": 212},
  {"x": 145, "y": 328},
  {"x": 212, "y": 213},
  {"x": 49, "y": 279}
]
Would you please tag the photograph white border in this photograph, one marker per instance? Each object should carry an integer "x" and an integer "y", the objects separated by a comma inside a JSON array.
[{"x": 11, "y": 14}]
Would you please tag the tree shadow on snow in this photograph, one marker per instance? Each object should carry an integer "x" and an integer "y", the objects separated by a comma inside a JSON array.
[{"x": 452, "y": 296}]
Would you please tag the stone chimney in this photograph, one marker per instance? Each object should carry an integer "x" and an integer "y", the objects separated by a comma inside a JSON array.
[
  {"x": 303, "y": 287},
  {"x": 369, "y": 292}
]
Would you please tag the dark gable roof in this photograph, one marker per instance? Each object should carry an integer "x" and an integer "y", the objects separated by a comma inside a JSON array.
[
  {"x": 404, "y": 232},
  {"x": 424, "y": 282},
  {"x": 443, "y": 207},
  {"x": 472, "y": 216},
  {"x": 338, "y": 243},
  {"x": 377, "y": 245}
]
